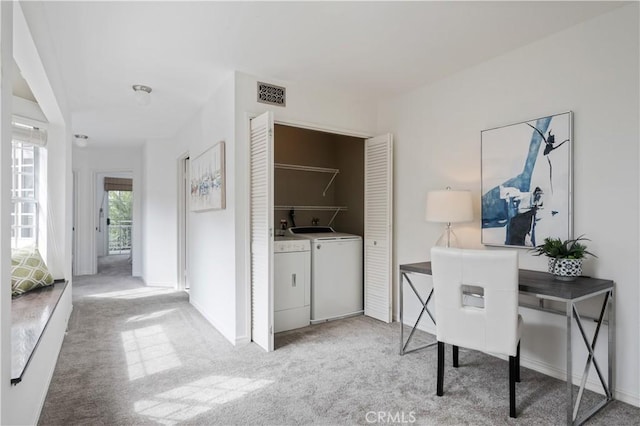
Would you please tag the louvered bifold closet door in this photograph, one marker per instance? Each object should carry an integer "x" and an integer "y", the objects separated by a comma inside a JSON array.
[
  {"x": 261, "y": 211},
  {"x": 378, "y": 199}
]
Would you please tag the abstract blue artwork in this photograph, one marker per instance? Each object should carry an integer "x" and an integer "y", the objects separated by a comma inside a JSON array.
[
  {"x": 527, "y": 182},
  {"x": 207, "y": 179}
]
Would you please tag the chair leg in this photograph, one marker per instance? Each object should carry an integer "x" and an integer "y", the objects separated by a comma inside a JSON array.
[
  {"x": 440, "y": 381},
  {"x": 518, "y": 364},
  {"x": 455, "y": 356},
  {"x": 512, "y": 386}
]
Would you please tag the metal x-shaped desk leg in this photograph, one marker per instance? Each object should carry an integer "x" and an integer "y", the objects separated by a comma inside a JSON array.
[
  {"x": 425, "y": 308},
  {"x": 572, "y": 412}
]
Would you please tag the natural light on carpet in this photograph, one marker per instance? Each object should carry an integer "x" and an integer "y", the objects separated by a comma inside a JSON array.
[
  {"x": 135, "y": 293},
  {"x": 188, "y": 401},
  {"x": 150, "y": 316},
  {"x": 148, "y": 351}
]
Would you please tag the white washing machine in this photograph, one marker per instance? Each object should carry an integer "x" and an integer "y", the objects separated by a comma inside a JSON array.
[
  {"x": 292, "y": 283},
  {"x": 337, "y": 284}
]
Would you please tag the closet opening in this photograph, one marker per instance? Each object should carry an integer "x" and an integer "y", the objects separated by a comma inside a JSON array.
[
  {"x": 319, "y": 217},
  {"x": 321, "y": 227}
]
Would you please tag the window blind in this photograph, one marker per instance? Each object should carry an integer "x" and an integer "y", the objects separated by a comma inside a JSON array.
[
  {"x": 118, "y": 184},
  {"x": 28, "y": 134}
]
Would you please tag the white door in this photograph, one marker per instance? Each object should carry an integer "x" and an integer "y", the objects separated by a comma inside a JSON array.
[
  {"x": 183, "y": 221},
  {"x": 378, "y": 203},
  {"x": 74, "y": 241},
  {"x": 261, "y": 212}
]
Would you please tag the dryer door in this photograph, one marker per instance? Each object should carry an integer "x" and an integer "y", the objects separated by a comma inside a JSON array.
[{"x": 290, "y": 280}]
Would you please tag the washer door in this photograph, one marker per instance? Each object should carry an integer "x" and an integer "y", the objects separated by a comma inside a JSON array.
[{"x": 337, "y": 284}]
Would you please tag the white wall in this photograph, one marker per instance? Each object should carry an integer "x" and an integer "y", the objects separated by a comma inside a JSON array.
[
  {"x": 87, "y": 164},
  {"x": 591, "y": 69},
  {"x": 211, "y": 240},
  {"x": 6, "y": 33},
  {"x": 159, "y": 250},
  {"x": 21, "y": 404}
]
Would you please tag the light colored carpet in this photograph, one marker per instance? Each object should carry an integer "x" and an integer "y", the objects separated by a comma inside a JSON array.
[
  {"x": 114, "y": 265},
  {"x": 136, "y": 355}
]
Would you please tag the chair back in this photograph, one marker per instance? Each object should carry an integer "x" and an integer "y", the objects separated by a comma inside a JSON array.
[{"x": 460, "y": 276}]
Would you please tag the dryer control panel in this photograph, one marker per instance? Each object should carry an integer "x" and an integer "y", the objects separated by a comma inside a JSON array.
[{"x": 291, "y": 245}]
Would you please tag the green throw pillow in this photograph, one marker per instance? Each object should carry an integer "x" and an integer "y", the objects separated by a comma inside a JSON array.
[{"x": 28, "y": 271}]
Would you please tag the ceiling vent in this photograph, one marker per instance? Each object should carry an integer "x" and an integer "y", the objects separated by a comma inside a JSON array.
[{"x": 272, "y": 95}]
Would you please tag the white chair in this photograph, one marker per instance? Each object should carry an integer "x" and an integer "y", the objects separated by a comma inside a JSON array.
[{"x": 476, "y": 304}]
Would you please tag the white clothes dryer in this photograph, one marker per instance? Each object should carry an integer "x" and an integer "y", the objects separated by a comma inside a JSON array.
[{"x": 292, "y": 283}]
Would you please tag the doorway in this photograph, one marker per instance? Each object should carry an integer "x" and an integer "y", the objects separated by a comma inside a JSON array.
[
  {"x": 119, "y": 220},
  {"x": 114, "y": 245},
  {"x": 183, "y": 221},
  {"x": 74, "y": 240}
]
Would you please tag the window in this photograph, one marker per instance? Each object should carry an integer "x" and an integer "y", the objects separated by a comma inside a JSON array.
[
  {"x": 119, "y": 222},
  {"x": 24, "y": 226},
  {"x": 26, "y": 143}
]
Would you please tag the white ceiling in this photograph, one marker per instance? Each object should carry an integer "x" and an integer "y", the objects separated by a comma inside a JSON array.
[{"x": 183, "y": 50}]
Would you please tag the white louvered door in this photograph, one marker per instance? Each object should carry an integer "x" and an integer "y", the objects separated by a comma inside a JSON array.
[
  {"x": 261, "y": 211},
  {"x": 378, "y": 202}
]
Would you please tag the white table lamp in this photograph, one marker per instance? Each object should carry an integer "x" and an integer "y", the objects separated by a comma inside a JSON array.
[{"x": 448, "y": 206}]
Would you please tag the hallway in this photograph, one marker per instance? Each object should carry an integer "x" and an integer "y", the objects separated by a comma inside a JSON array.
[{"x": 126, "y": 343}]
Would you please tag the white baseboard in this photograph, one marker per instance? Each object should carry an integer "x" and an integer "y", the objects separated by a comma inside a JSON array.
[
  {"x": 627, "y": 398},
  {"x": 243, "y": 340},
  {"x": 229, "y": 337},
  {"x": 159, "y": 284},
  {"x": 591, "y": 385}
]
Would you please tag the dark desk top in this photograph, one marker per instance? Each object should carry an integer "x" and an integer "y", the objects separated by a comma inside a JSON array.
[{"x": 540, "y": 284}]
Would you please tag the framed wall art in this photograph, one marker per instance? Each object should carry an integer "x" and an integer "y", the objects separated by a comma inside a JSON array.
[
  {"x": 526, "y": 182},
  {"x": 207, "y": 178}
]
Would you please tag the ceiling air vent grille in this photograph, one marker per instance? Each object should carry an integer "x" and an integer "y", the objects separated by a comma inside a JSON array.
[{"x": 272, "y": 95}]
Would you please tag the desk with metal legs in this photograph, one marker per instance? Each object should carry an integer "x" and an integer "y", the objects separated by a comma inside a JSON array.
[{"x": 544, "y": 287}]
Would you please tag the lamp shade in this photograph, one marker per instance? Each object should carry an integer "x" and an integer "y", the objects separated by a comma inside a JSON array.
[{"x": 449, "y": 206}]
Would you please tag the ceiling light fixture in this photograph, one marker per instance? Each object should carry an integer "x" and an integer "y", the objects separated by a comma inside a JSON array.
[
  {"x": 143, "y": 94},
  {"x": 81, "y": 140}
]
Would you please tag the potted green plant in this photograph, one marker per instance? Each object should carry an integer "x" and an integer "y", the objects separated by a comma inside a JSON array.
[{"x": 565, "y": 257}]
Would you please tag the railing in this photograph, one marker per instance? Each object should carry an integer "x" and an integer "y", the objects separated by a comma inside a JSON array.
[{"x": 119, "y": 236}]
